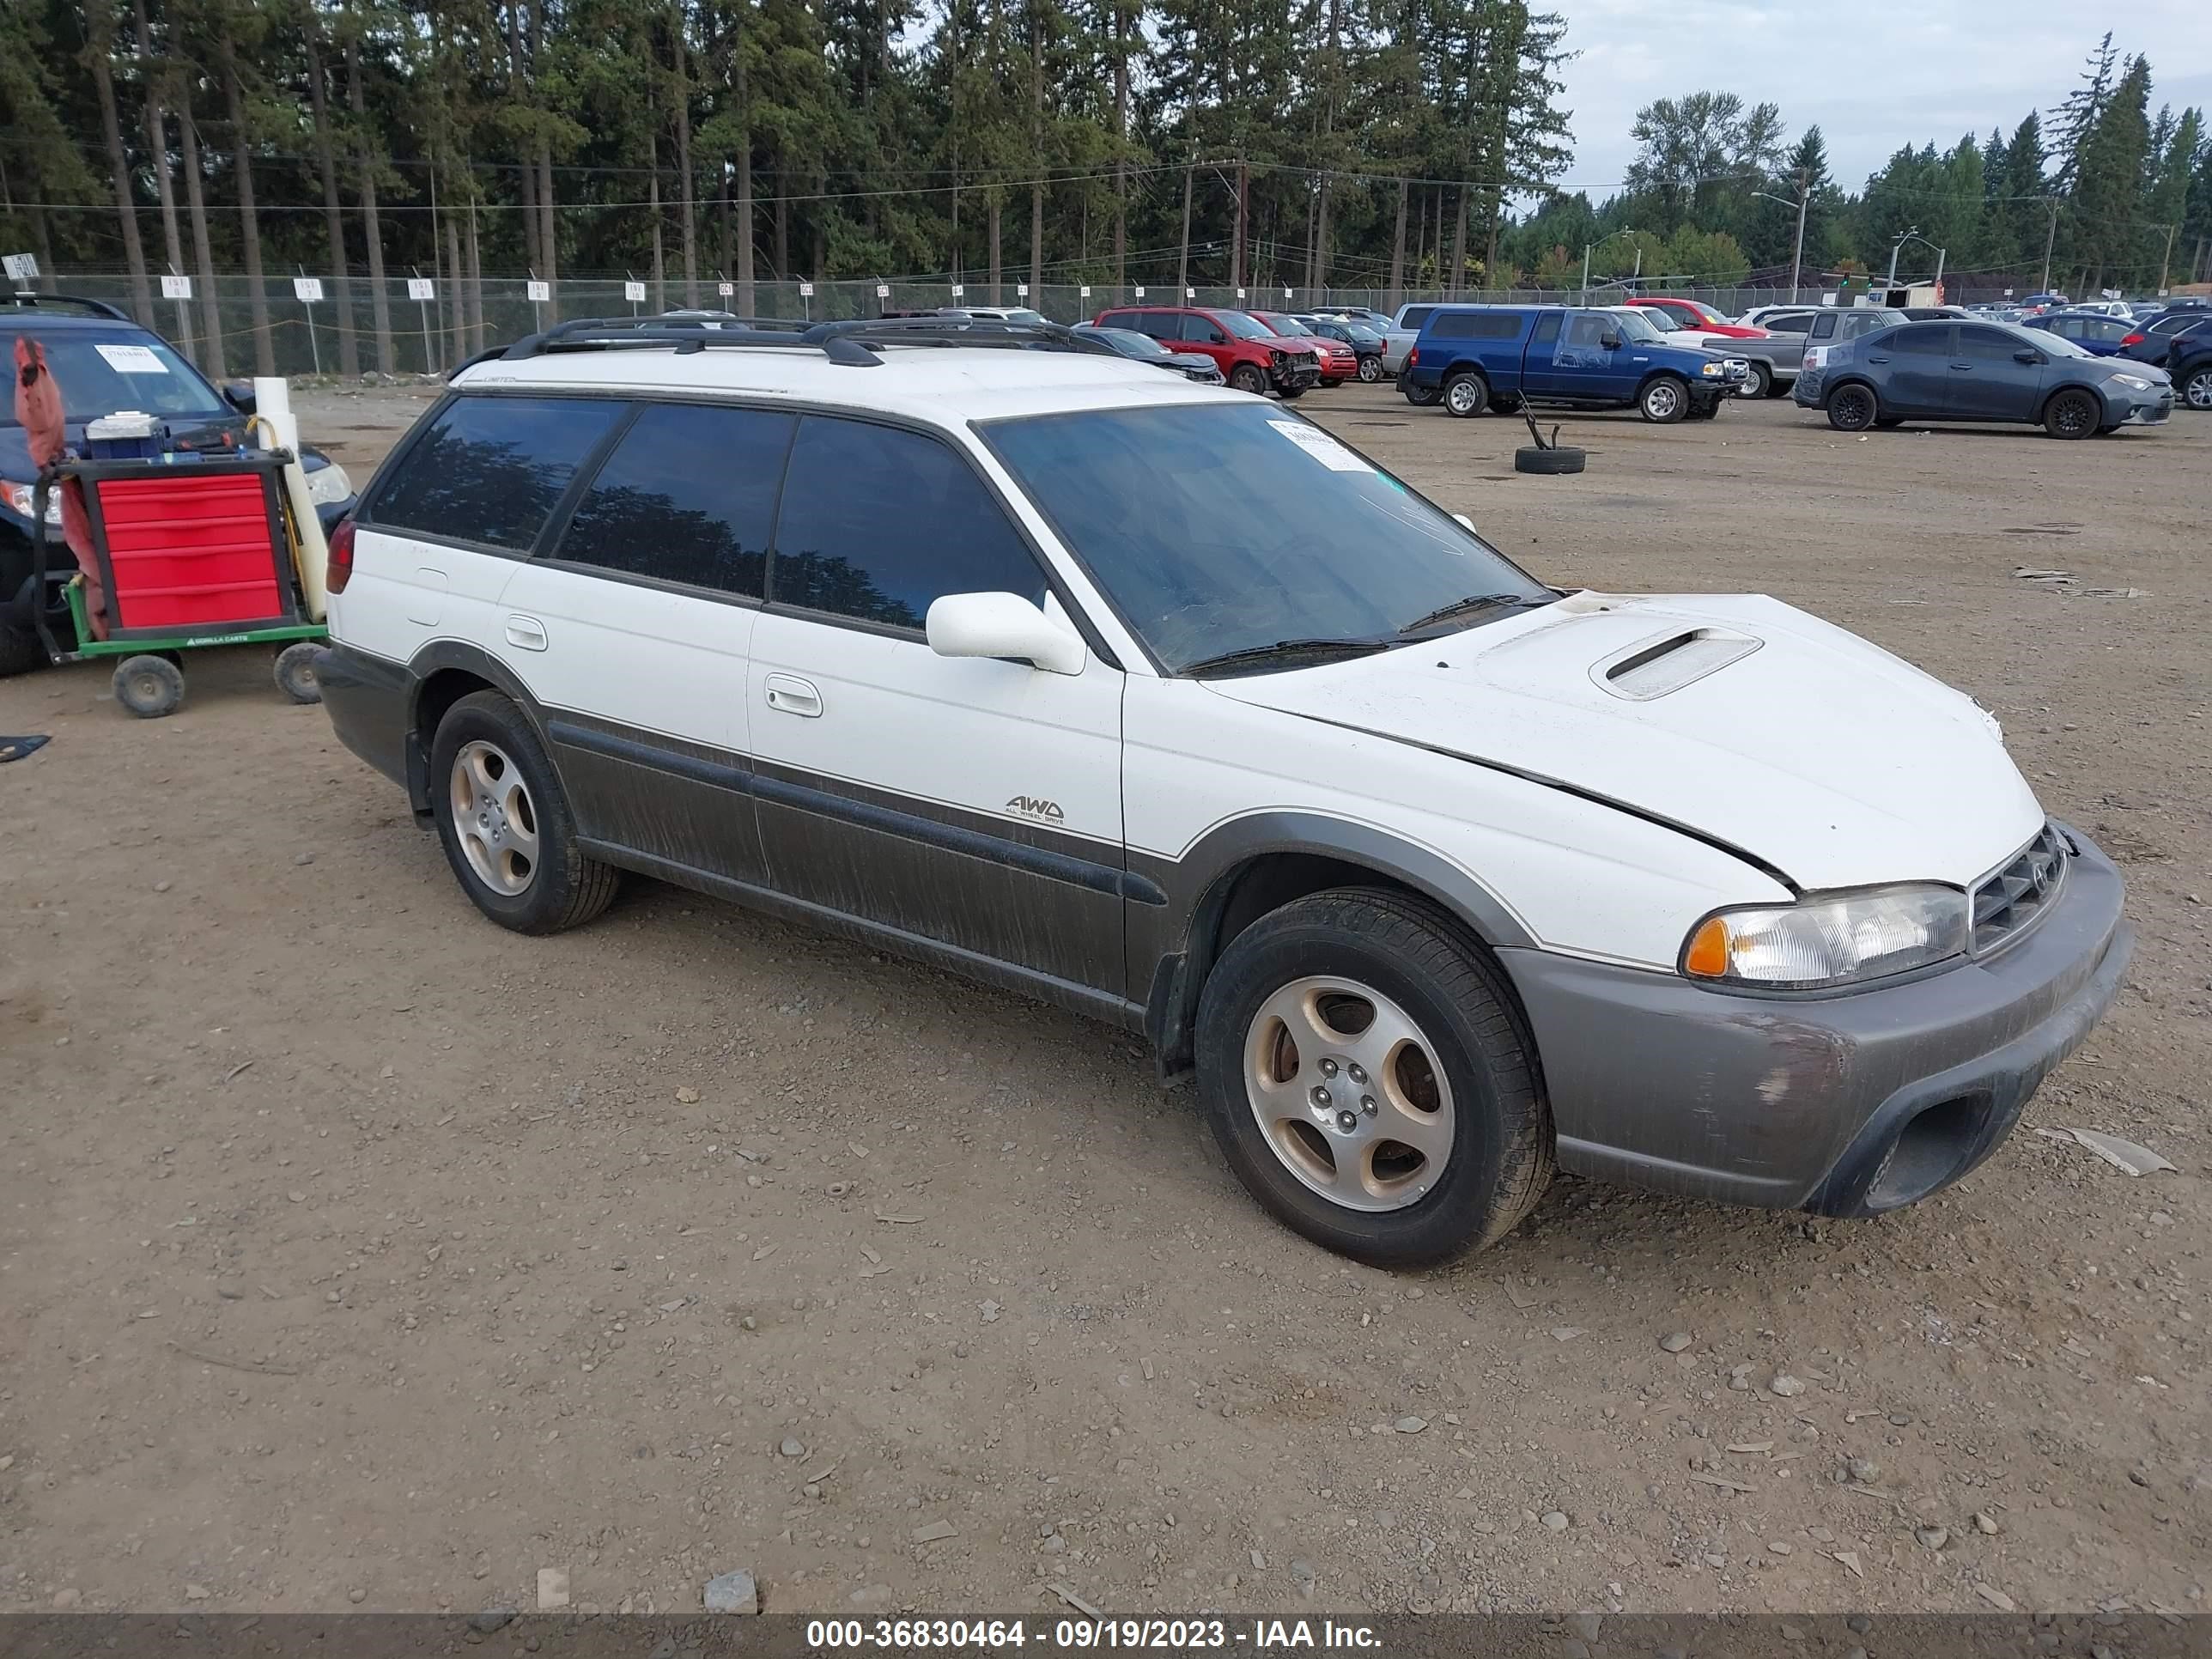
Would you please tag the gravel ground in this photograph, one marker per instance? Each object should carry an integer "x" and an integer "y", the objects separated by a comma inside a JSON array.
[{"x": 353, "y": 1253}]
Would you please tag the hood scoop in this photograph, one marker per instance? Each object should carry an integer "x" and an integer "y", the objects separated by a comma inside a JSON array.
[{"x": 1658, "y": 667}]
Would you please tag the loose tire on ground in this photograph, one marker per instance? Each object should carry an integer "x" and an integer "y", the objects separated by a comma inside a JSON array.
[
  {"x": 1290, "y": 394},
  {"x": 513, "y": 805},
  {"x": 295, "y": 672},
  {"x": 21, "y": 651},
  {"x": 1454, "y": 1068},
  {"x": 1466, "y": 394},
  {"x": 149, "y": 687},
  {"x": 1424, "y": 397},
  {"x": 2072, "y": 413},
  {"x": 1664, "y": 401},
  {"x": 1852, "y": 408},
  {"x": 1529, "y": 458}
]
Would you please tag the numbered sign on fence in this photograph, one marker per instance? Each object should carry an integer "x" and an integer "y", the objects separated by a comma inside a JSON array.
[
  {"x": 1021, "y": 290},
  {"x": 422, "y": 287},
  {"x": 1240, "y": 293},
  {"x": 726, "y": 289},
  {"x": 634, "y": 292},
  {"x": 883, "y": 290},
  {"x": 539, "y": 292},
  {"x": 1086, "y": 290},
  {"x": 307, "y": 289},
  {"x": 958, "y": 290},
  {"x": 22, "y": 267},
  {"x": 176, "y": 287},
  {"x": 1286, "y": 293},
  {"x": 1138, "y": 290},
  {"x": 1190, "y": 293},
  {"x": 807, "y": 290}
]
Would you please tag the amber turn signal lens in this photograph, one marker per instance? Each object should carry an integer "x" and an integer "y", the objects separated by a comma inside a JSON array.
[{"x": 1708, "y": 955}]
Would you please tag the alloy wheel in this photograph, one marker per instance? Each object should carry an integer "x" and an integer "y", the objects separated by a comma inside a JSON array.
[{"x": 493, "y": 817}]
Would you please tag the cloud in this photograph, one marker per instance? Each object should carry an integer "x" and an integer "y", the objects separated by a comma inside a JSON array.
[{"x": 1874, "y": 79}]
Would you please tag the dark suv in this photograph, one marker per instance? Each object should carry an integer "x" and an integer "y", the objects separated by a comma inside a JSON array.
[
  {"x": 1248, "y": 356},
  {"x": 2189, "y": 361},
  {"x": 104, "y": 362}
]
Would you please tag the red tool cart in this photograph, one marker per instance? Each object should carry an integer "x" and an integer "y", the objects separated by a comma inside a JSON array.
[{"x": 190, "y": 554}]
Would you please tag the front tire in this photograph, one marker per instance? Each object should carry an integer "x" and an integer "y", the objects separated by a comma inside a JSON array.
[
  {"x": 1759, "y": 383},
  {"x": 2196, "y": 392},
  {"x": 150, "y": 687},
  {"x": 1664, "y": 402},
  {"x": 2072, "y": 413},
  {"x": 1465, "y": 395},
  {"x": 1247, "y": 377},
  {"x": 295, "y": 672},
  {"x": 1852, "y": 408},
  {"x": 1366, "y": 1073},
  {"x": 1370, "y": 369},
  {"x": 505, "y": 824}
]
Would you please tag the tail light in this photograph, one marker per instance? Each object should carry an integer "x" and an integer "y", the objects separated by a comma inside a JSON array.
[
  {"x": 339, "y": 571},
  {"x": 1812, "y": 361},
  {"x": 1412, "y": 356},
  {"x": 2131, "y": 339}
]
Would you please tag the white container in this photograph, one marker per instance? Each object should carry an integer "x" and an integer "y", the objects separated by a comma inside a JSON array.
[{"x": 124, "y": 423}]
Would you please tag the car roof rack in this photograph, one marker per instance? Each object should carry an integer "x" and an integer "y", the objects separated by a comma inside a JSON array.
[
  {"x": 958, "y": 330},
  {"x": 630, "y": 333},
  {"x": 100, "y": 308}
]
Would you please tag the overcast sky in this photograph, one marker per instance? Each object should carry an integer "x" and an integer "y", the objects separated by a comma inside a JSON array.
[{"x": 1872, "y": 77}]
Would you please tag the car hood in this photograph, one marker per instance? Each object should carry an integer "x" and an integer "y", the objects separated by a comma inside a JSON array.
[{"x": 1804, "y": 746}]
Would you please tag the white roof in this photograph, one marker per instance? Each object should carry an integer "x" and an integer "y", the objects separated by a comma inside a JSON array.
[{"x": 946, "y": 386}]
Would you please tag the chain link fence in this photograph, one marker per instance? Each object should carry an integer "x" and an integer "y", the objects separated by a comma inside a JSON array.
[{"x": 430, "y": 335}]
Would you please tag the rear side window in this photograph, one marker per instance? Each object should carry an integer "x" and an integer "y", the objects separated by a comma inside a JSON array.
[
  {"x": 688, "y": 496},
  {"x": 1477, "y": 325},
  {"x": 1547, "y": 329},
  {"x": 1926, "y": 339},
  {"x": 1794, "y": 322},
  {"x": 1823, "y": 326},
  {"x": 491, "y": 469},
  {"x": 876, "y": 522},
  {"x": 1415, "y": 316}
]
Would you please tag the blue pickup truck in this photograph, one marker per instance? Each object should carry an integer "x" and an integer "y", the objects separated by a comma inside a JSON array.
[{"x": 1470, "y": 358}]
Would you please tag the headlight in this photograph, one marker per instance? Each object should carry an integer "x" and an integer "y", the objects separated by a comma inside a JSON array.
[
  {"x": 329, "y": 484},
  {"x": 1831, "y": 941},
  {"x": 1713, "y": 371},
  {"x": 2135, "y": 381},
  {"x": 20, "y": 497}
]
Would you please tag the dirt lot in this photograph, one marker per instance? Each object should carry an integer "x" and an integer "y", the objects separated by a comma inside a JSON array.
[{"x": 357, "y": 1253}]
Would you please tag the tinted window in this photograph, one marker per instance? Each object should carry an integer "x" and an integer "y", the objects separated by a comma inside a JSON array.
[
  {"x": 1221, "y": 526},
  {"x": 1855, "y": 323},
  {"x": 1922, "y": 339},
  {"x": 490, "y": 470},
  {"x": 1547, "y": 328},
  {"x": 1823, "y": 325},
  {"x": 876, "y": 522},
  {"x": 1477, "y": 325},
  {"x": 1793, "y": 322},
  {"x": 1200, "y": 331},
  {"x": 1988, "y": 344},
  {"x": 1415, "y": 316},
  {"x": 688, "y": 497}
]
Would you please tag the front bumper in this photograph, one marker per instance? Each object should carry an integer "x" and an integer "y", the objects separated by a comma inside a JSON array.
[
  {"x": 1295, "y": 375},
  {"x": 2126, "y": 408},
  {"x": 1846, "y": 1104}
]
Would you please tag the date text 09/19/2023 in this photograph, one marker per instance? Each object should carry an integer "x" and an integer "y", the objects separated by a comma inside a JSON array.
[{"x": 1158, "y": 1635}]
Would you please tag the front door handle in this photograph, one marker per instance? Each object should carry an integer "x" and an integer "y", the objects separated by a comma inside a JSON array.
[
  {"x": 525, "y": 633},
  {"x": 789, "y": 695}
]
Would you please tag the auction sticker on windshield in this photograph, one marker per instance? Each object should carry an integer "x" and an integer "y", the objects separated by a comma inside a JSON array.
[
  {"x": 132, "y": 359},
  {"x": 1322, "y": 448}
]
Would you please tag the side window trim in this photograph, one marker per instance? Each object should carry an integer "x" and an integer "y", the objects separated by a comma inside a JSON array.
[{"x": 556, "y": 521}]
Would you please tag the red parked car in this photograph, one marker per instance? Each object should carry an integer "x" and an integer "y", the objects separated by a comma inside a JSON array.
[
  {"x": 1249, "y": 357},
  {"x": 1690, "y": 314},
  {"x": 1338, "y": 361}
]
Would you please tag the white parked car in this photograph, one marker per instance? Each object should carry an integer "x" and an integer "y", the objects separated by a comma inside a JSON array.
[{"x": 1156, "y": 701}]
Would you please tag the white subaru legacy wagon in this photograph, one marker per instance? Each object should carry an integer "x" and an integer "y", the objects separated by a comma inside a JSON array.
[{"x": 1157, "y": 702}]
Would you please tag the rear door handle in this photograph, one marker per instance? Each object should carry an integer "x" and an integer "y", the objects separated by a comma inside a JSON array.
[
  {"x": 789, "y": 695},
  {"x": 525, "y": 633}
]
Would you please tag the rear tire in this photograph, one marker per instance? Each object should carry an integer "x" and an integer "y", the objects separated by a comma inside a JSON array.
[
  {"x": 1247, "y": 377},
  {"x": 2072, "y": 413},
  {"x": 2196, "y": 391},
  {"x": 1852, "y": 408},
  {"x": 21, "y": 651},
  {"x": 1466, "y": 394},
  {"x": 1416, "y": 1031},
  {"x": 1424, "y": 397},
  {"x": 515, "y": 853},
  {"x": 149, "y": 687}
]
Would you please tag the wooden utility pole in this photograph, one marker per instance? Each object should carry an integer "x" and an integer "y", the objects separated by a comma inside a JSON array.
[
  {"x": 2165, "y": 259},
  {"x": 2050, "y": 238},
  {"x": 1243, "y": 210},
  {"x": 1183, "y": 263}
]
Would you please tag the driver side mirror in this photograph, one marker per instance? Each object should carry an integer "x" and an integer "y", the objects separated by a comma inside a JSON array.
[
  {"x": 1003, "y": 625},
  {"x": 239, "y": 394},
  {"x": 2027, "y": 354},
  {"x": 1610, "y": 341},
  {"x": 1462, "y": 521}
]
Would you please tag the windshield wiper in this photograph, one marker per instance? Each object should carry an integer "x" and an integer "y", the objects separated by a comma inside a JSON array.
[
  {"x": 1258, "y": 656},
  {"x": 1473, "y": 603}
]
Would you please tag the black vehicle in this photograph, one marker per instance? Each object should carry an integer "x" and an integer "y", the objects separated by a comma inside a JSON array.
[
  {"x": 1981, "y": 372},
  {"x": 104, "y": 362},
  {"x": 2189, "y": 365},
  {"x": 1366, "y": 343},
  {"x": 1144, "y": 348},
  {"x": 2152, "y": 337}
]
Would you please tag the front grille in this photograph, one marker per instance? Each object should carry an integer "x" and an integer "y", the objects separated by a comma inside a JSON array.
[{"x": 2007, "y": 904}]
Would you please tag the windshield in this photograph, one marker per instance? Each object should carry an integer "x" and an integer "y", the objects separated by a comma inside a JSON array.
[
  {"x": 1282, "y": 325},
  {"x": 1225, "y": 527},
  {"x": 1637, "y": 325},
  {"x": 1361, "y": 335},
  {"x": 1243, "y": 327},
  {"x": 1129, "y": 341},
  {"x": 1023, "y": 314},
  {"x": 105, "y": 371}
]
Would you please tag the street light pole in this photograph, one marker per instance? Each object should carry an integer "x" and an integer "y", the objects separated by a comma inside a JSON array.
[{"x": 1798, "y": 253}]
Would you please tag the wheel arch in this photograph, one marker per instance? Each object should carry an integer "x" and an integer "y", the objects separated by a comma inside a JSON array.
[
  {"x": 1242, "y": 870},
  {"x": 1829, "y": 389},
  {"x": 443, "y": 672}
]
